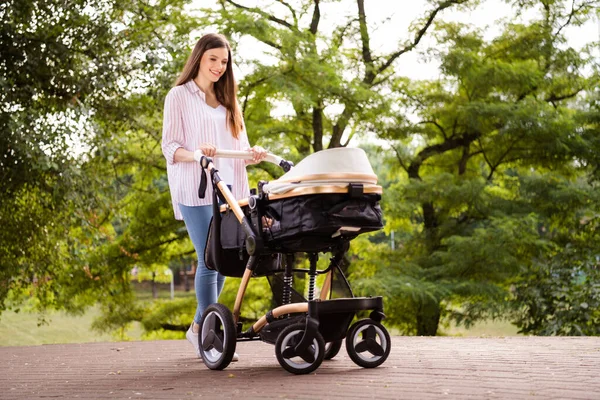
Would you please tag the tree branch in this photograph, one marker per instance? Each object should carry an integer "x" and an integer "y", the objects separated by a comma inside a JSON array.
[
  {"x": 314, "y": 25},
  {"x": 399, "y": 158},
  {"x": 436, "y": 124},
  {"x": 365, "y": 40},
  {"x": 370, "y": 72},
  {"x": 429, "y": 151},
  {"x": 554, "y": 97},
  {"x": 292, "y": 10},
  {"x": 573, "y": 13},
  {"x": 264, "y": 14},
  {"x": 419, "y": 34}
]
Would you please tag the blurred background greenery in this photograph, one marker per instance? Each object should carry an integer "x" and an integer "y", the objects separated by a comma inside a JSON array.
[{"x": 490, "y": 168}]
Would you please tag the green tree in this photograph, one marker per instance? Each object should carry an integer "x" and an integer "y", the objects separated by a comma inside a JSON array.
[
  {"x": 67, "y": 70},
  {"x": 470, "y": 148},
  {"x": 560, "y": 293},
  {"x": 57, "y": 60},
  {"x": 489, "y": 142},
  {"x": 330, "y": 79}
]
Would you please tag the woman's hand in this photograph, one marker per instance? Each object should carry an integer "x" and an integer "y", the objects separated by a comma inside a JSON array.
[
  {"x": 258, "y": 154},
  {"x": 208, "y": 149}
]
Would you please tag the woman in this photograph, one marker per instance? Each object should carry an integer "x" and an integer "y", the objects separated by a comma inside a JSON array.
[{"x": 201, "y": 115}]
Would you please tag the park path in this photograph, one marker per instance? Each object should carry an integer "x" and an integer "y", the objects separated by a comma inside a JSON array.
[{"x": 418, "y": 368}]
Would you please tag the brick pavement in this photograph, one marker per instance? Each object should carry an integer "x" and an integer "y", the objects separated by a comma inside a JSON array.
[{"x": 418, "y": 368}]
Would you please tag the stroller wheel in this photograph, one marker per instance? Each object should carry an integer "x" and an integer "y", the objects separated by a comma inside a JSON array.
[
  {"x": 299, "y": 363},
  {"x": 333, "y": 348},
  {"x": 368, "y": 343},
  {"x": 217, "y": 338}
]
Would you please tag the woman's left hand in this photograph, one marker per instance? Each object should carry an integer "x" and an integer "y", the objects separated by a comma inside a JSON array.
[{"x": 258, "y": 154}]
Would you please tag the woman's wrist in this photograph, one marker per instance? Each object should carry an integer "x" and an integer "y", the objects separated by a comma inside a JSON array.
[
  {"x": 198, "y": 155},
  {"x": 183, "y": 155}
]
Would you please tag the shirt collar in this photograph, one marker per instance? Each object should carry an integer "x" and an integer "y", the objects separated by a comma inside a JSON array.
[{"x": 193, "y": 88}]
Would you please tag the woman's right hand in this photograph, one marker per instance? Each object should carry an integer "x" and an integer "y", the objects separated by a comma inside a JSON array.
[{"x": 208, "y": 149}]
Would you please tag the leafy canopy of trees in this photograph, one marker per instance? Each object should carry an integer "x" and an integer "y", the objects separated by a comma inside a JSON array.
[{"x": 475, "y": 153}]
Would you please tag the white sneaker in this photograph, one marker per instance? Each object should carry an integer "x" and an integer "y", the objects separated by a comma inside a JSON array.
[
  {"x": 235, "y": 358},
  {"x": 193, "y": 339}
]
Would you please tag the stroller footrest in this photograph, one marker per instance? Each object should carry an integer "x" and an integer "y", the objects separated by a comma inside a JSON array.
[{"x": 319, "y": 307}]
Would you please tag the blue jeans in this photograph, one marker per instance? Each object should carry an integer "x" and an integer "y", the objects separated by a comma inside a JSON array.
[{"x": 207, "y": 283}]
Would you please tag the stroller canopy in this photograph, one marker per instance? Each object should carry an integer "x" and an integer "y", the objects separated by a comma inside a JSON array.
[{"x": 338, "y": 166}]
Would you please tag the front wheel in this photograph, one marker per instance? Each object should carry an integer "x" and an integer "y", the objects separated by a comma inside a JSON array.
[
  {"x": 217, "y": 336},
  {"x": 299, "y": 363},
  {"x": 368, "y": 343}
]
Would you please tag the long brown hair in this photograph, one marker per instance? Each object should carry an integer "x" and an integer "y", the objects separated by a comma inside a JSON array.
[{"x": 225, "y": 87}]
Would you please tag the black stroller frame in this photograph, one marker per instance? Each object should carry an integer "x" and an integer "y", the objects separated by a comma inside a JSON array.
[{"x": 304, "y": 331}]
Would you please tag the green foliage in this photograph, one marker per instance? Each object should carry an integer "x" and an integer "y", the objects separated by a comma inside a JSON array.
[
  {"x": 75, "y": 151},
  {"x": 490, "y": 172},
  {"x": 496, "y": 168},
  {"x": 169, "y": 314},
  {"x": 560, "y": 295}
]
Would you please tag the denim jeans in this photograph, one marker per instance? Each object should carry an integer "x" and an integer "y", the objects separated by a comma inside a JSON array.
[{"x": 207, "y": 283}]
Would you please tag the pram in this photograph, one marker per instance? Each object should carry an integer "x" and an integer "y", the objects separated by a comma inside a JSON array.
[{"x": 301, "y": 212}]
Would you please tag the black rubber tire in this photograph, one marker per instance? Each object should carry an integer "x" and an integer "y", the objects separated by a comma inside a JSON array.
[
  {"x": 368, "y": 343},
  {"x": 217, "y": 337},
  {"x": 296, "y": 364},
  {"x": 333, "y": 348}
]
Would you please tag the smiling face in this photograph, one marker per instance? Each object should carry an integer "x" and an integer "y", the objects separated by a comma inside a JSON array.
[{"x": 213, "y": 64}]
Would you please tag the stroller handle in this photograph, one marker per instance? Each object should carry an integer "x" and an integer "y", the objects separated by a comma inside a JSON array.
[{"x": 248, "y": 155}]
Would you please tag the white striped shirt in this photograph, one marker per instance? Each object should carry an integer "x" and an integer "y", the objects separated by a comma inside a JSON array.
[{"x": 188, "y": 122}]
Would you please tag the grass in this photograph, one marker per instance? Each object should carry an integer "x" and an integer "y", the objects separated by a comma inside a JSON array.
[
  {"x": 21, "y": 329},
  {"x": 483, "y": 329}
]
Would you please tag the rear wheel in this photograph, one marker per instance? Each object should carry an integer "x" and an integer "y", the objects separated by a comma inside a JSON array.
[
  {"x": 217, "y": 336},
  {"x": 368, "y": 343},
  {"x": 333, "y": 348},
  {"x": 304, "y": 362}
]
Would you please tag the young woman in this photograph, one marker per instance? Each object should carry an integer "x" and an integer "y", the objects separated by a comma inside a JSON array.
[{"x": 201, "y": 115}]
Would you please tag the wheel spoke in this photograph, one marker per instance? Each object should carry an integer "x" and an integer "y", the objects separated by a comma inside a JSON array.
[
  {"x": 214, "y": 337},
  {"x": 375, "y": 348},
  {"x": 369, "y": 343},
  {"x": 218, "y": 342},
  {"x": 208, "y": 340},
  {"x": 361, "y": 346},
  {"x": 289, "y": 353},
  {"x": 309, "y": 355},
  {"x": 370, "y": 333},
  {"x": 211, "y": 321}
]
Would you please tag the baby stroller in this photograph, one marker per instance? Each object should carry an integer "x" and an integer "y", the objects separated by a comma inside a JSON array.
[{"x": 319, "y": 206}]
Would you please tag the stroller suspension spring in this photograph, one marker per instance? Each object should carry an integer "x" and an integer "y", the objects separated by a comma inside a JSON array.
[
  {"x": 311, "y": 286},
  {"x": 287, "y": 292},
  {"x": 288, "y": 279},
  {"x": 312, "y": 276}
]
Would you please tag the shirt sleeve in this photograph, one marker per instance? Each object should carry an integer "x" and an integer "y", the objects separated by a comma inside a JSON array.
[{"x": 173, "y": 136}]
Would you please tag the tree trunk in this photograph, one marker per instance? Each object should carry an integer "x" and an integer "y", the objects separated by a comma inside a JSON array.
[
  {"x": 317, "y": 115},
  {"x": 154, "y": 291},
  {"x": 428, "y": 318}
]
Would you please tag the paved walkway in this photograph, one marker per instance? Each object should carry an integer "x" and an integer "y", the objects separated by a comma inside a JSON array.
[{"x": 418, "y": 368}]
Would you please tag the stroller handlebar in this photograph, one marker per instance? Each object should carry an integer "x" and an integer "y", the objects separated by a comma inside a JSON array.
[{"x": 248, "y": 155}]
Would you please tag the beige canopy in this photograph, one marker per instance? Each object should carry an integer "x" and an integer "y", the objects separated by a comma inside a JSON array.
[{"x": 332, "y": 167}]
